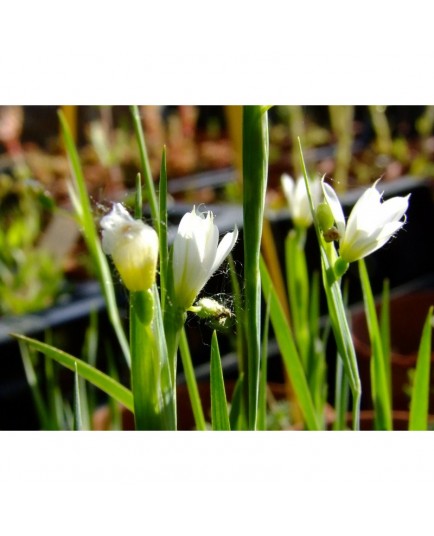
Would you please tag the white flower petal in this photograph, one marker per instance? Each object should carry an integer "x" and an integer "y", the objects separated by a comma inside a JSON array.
[
  {"x": 196, "y": 255},
  {"x": 224, "y": 248},
  {"x": 335, "y": 206}
]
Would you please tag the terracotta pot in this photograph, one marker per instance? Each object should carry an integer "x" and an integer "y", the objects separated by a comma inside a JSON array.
[{"x": 407, "y": 317}]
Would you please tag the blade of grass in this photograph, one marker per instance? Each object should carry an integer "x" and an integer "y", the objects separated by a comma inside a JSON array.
[
  {"x": 289, "y": 352},
  {"x": 255, "y": 169},
  {"x": 190, "y": 378},
  {"x": 380, "y": 391},
  {"x": 91, "y": 374},
  {"x": 262, "y": 405},
  {"x": 85, "y": 216},
  {"x": 77, "y": 422},
  {"x": 219, "y": 405},
  {"x": 164, "y": 251},
  {"x": 32, "y": 381},
  {"x": 146, "y": 167},
  {"x": 237, "y": 419},
  {"x": 385, "y": 333},
  {"x": 419, "y": 403}
]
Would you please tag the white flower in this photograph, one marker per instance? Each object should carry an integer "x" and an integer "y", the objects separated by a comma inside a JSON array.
[
  {"x": 197, "y": 255},
  {"x": 371, "y": 222},
  {"x": 133, "y": 246},
  {"x": 298, "y": 200}
]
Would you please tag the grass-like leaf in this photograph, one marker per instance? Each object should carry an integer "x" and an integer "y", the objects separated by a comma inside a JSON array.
[
  {"x": 237, "y": 413},
  {"x": 379, "y": 381},
  {"x": 255, "y": 169},
  {"x": 84, "y": 214},
  {"x": 145, "y": 165},
  {"x": 419, "y": 404},
  {"x": 262, "y": 405},
  {"x": 219, "y": 405},
  {"x": 291, "y": 359},
  {"x": 193, "y": 391},
  {"x": 89, "y": 373},
  {"x": 77, "y": 420}
]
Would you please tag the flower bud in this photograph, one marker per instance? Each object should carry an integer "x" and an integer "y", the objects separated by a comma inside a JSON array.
[
  {"x": 133, "y": 246},
  {"x": 197, "y": 255}
]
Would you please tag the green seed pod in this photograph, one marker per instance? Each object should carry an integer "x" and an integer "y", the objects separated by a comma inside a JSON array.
[{"x": 324, "y": 216}]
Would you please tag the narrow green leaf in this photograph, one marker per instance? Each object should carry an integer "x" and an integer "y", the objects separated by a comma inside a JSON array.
[
  {"x": 262, "y": 405},
  {"x": 85, "y": 216},
  {"x": 77, "y": 422},
  {"x": 236, "y": 414},
  {"x": 385, "y": 333},
  {"x": 32, "y": 381},
  {"x": 138, "y": 200},
  {"x": 380, "y": 389},
  {"x": 291, "y": 359},
  {"x": 91, "y": 374},
  {"x": 255, "y": 169},
  {"x": 192, "y": 388},
  {"x": 164, "y": 250},
  {"x": 219, "y": 405},
  {"x": 145, "y": 165},
  {"x": 419, "y": 404}
]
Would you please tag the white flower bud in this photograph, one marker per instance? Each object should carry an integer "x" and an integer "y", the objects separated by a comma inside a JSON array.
[
  {"x": 133, "y": 246},
  {"x": 197, "y": 255},
  {"x": 298, "y": 200}
]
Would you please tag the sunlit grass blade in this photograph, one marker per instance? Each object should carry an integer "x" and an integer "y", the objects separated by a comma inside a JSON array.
[
  {"x": 56, "y": 402},
  {"x": 385, "y": 333},
  {"x": 219, "y": 405},
  {"x": 237, "y": 419},
  {"x": 255, "y": 170},
  {"x": 379, "y": 383},
  {"x": 190, "y": 378},
  {"x": 89, "y": 373},
  {"x": 145, "y": 165},
  {"x": 32, "y": 381},
  {"x": 341, "y": 395},
  {"x": 419, "y": 403},
  {"x": 262, "y": 405},
  {"x": 291, "y": 359},
  {"x": 164, "y": 250},
  {"x": 85, "y": 217},
  {"x": 77, "y": 421}
]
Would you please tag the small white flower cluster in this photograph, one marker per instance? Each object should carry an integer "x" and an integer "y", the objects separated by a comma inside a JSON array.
[{"x": 371, "y": 224}]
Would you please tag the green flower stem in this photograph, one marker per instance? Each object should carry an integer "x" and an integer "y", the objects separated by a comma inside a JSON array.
[
  {"x": 193, "y": 391},
  {"x": 255, "y": 169},
  {"x": 145, "y": 380},
  {"x": 336, "y": 308}
]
